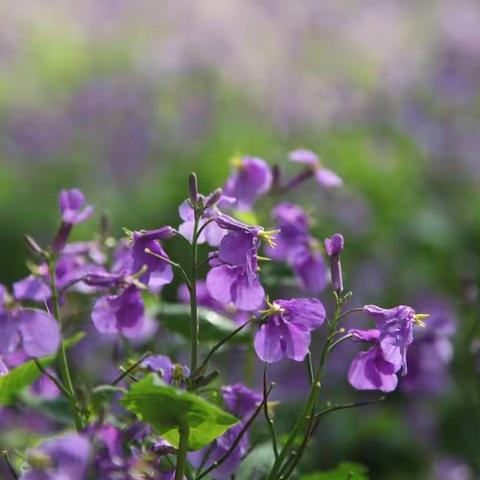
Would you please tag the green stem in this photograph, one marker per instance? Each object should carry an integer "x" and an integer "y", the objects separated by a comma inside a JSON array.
[
  {"x": 184, "y": 433},
  {"x": 308, "y": 410},
  {"x": 62, "y": 354},
  {"x": 310, "y": 372},
  {"x": 268, "y": 418},
  {"x": 193, "y": 297}
]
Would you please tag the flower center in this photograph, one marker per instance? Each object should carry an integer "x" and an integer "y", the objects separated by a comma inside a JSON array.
[
  {"x": 419, "y": 319},
  {"x": 268, "y": 236}
]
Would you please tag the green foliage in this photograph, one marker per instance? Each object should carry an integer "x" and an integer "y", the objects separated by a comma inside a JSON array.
[
  {"x": 214, "y": 327},
  {"x": 165, "y": 408},
  {"x": 344, "y": 471},
  {"x": 24, "y": 375},
  {"x": 257, "y": 464}
]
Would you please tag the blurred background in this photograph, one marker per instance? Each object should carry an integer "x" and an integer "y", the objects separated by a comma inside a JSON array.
[{"x": 124, "y": 98}]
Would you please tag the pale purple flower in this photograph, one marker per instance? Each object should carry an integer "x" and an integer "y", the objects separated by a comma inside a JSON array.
[
  {"x": 234, "y": 277},
  {"x": 309, "y": 267},
  {"x": 395, "y": 326},
  {"x": 287, "y": 327},
  {"x": 251, "y": 178},
  {"x": 67, "y": 458},
  {"x": 294, "y": 226},
  {"x": 72, "y": 206},
  {"x": 324, "y": 176},
  {"x": 31, "y": 288},
  {"x": 158, "y": 272},
  {"x": 119, "y": 314},
  {"x": 212, "y": 233},
  {"x": 32, "y": 331},
  {"x": 240, "y": 400}
]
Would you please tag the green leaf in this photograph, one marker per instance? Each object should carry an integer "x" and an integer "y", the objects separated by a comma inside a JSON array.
[
  {"x": 165, "y": 408},
  {"x": 344, "y": 471},
  {"x": 24, "y": 375},
  {"x": 213, "y": 326},
  {"x": 257, "y": 464}
]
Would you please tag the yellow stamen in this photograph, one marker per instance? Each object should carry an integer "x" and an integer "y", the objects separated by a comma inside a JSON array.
[
  {"x": 236, "y": 161},
  {"x": 268, "y": 236},
  {"x": 419, "y": 318}
]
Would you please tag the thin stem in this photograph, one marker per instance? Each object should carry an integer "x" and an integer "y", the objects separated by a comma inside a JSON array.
[
  {"x": 130, "y": 369},
  {"x": 53, "y": 378},
  {"x": 174, "y": 265},
  {"x": 203, "y": 227},
  {"x": 206, "y": 260},
  {"x": 348, "y": 312},
  {"x": 184, "y": 433},
  {"x": 220, "y": 344},
  {"x": 193, "y": 298},
  {"x": 62, "y": 354},
  {"x": 310, "y": 372},
  {"x": 340, "y": 340},
  {"x": 237, "y": 440},
  {"x": 268, "y": 418}
]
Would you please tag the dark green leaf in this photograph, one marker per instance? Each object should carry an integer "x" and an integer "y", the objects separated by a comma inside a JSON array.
[
  {"x": 24, "y": 375},
  {"x": 165, "y": 408},
  {"x": 344, "y": 471},
  {"x": 213, "y": 326}
]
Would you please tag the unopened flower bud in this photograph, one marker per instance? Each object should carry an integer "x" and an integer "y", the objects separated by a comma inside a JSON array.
[
  {"x": 333, "y": 247},
  {"x": 213, "y": 198},
  {"x": 193, "y": 188}
]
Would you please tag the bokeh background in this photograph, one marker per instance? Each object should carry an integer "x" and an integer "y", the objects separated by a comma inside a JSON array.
[{"x": 124, "y": 98}]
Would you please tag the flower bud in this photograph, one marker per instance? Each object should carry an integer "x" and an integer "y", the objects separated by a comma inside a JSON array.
[
  {"x": 213, "y": 198},
  {"x": 333, "y": 247},
  {"x": 193, "y": 188},
  {"x": 33, "y": 246}
]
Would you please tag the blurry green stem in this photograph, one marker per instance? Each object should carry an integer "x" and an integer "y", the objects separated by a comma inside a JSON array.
[
  {"x": 193, "y": 296},
  {"x": 62, "y": 354},
  {"x": 184, "y": 433}
]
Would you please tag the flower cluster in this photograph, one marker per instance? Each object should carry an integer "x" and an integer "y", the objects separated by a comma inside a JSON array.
[{"x": 179, "y": 424}]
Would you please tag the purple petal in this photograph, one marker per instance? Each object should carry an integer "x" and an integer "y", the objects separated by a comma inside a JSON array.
[
  {"x": 334, "y": 245},
  {"x": 10, "y": 337},
  {"x": 186, "y": 211},
  {"x": 308, "y": 313},
  {"x": 365, "y": 335},
  {"x": 327, "y": 178},
  {"x": 103, "y": 316},
  {"x": 234, "y": 248},
  {"x": 40, "y": 333},
  {"x": 310, "y": 269},
  {"x": 247, "y": 293},
  {"x": 219, "y": 283},
  {"x": 31, "y": 288},
  {"x": 302, "y": 155},
  {"x": 369, "y": 371},
  {"x": 296, "y": 341},
  {"x": 267, "y": 343}
]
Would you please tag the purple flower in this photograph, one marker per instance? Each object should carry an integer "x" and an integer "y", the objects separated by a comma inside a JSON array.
[
  {"x": 430, "y": 354},
  {"x": 251, "y": 179},
  {"x": 119, "y": 314},
  {"x": 371, "y": 371},
  {"x": 168, "y": 370},
  {"x": 295, "y": 245},
  {"x": 72, "y": 206},
  {"x": 73, "y": 211},
  {"x": 31, "y": 288},
  {"x": 234, "y": 278},
  {"x": 64, "y": 457},
  {"x": 240, "y": 400},
  {"x": 309, "y": 267},
  {"x": 146, "y": 250},
  {"x": 334, "y": 246},
  {"x": 294, "y": 226},
  {"x": 395, "y": 326},
  {"x": 287, "y": 327},
  {"x": 212, "y": 233},
  {"x": 34, "y": 332},
  {"x": 324, "y": 176}
]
